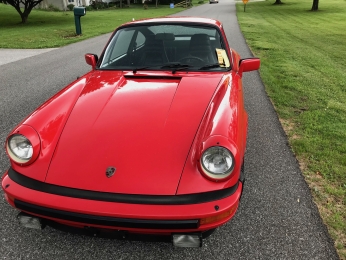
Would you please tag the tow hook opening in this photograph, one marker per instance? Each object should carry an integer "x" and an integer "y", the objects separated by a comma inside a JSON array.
[{"x": 30, "y": 221}]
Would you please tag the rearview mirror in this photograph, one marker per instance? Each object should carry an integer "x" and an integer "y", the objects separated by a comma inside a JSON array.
[
  {"x": 91, "y": 59},
  {"x": 249, "y": 64}
]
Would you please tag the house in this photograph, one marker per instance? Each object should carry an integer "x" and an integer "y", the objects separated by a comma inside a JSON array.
[{"x": 62, "y": 4}]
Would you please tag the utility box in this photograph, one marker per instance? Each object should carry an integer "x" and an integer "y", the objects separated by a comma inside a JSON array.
[{"x": 78, "y": 12}]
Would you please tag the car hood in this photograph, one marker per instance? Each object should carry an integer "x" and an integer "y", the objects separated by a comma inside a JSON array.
[{"x": 142, "y": 126}]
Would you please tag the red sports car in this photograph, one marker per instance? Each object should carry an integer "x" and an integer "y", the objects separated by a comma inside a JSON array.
[{"x": 150, "y": 142}]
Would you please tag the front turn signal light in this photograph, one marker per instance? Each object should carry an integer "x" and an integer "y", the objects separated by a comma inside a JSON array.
[{"x": 218, "y": 217}]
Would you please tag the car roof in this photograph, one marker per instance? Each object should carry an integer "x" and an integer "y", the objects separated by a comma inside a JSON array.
[{"x": 181, "y": 19}]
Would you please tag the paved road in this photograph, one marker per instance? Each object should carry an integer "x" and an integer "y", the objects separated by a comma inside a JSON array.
[{"x": 276, "y": 219}]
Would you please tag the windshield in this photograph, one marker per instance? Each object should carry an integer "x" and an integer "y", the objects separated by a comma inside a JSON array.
[{"x": 165, "y": 46}]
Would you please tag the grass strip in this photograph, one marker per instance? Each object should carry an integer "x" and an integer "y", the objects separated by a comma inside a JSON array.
[
  {"x": 46, "y": 29},
  {"x": 303, "y": 68}
]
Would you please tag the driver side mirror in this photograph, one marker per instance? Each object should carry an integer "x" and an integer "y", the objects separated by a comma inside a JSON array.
[
  {"x": 249, "y": 64},
  {"x": 91, "y": 59}
]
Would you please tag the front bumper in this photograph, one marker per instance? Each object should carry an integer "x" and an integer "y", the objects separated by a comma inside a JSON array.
[{"x": 157, "y": 215}]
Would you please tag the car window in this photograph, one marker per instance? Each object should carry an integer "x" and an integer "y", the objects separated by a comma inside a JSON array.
[
  {"x": 140, "y": 40},
  {"x": 122, "y": 44},
  {"x": 119, "y": 46},
  {"x": 155, "y": 46}
]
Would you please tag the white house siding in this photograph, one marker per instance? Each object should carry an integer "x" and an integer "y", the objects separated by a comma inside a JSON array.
[{"x": 62, "y": 4}]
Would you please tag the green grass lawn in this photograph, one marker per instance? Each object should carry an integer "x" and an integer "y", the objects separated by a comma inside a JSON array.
[
  {"x": 303, "y": 67},
  {"x": 54, "y": 29}
]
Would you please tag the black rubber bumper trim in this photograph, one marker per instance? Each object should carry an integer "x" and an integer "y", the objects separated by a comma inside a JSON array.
[
  {"x": 118, "y": 234},
  {"x": 106, "y": 221},
  {"x": 195, "y": 198}
]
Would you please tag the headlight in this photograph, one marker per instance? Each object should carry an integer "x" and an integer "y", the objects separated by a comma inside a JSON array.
[
  {"x": 19, "y": 148},
  {"x": 217, "y": 162},
  {"x": 23, "y": 146}
]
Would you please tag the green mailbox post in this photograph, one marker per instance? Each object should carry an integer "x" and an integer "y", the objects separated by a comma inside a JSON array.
[{"x": 78, "y": 12}]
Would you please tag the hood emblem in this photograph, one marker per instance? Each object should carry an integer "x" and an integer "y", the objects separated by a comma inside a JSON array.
[{"x": 110, "y": 171}]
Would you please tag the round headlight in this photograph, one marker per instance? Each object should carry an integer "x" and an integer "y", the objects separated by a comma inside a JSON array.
[
  {"x": 217, "y": 162},
  {"x": 20, "y": 149}
]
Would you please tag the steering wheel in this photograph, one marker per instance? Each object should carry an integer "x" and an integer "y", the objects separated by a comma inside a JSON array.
[{"x": 191, "y": 60}]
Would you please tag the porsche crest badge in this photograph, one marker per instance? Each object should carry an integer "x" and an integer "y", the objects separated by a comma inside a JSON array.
[{"x": 110, "y": 171}]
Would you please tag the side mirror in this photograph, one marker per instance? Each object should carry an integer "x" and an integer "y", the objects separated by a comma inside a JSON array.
[
  {"x": 91, "y": 59},
  {"x": 249, "y": 64}
]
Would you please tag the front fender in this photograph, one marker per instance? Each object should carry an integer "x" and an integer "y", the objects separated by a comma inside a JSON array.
[
  {"x": 224, "y": 123},
  {"x": 49, "y": 120}
]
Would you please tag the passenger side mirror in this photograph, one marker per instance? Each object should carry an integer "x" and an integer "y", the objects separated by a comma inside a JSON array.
[
  {"x": 249, "y": 64},
  {"x": 91, "y": 59}
]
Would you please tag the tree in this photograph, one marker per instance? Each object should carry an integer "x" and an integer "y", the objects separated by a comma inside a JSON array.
[
  {"x": 313, "y": 8},
  {"x": 314, "y": 5},
  {"x": 28, "y": 5}
]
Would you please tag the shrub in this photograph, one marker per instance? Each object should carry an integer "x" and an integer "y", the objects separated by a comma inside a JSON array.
[
  {"x": 99, "y": 5},
  {"x": 70, "y": 7},
  {"x": 53, "y": 8}
]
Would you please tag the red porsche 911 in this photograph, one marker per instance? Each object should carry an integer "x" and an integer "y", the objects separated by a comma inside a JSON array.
[{"x": 150, "y": 142}]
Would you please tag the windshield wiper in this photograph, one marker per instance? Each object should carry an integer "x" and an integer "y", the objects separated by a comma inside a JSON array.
[
  {"x": 210, "y": 66},
  {"x": 173, "y": 66},
  {"x": 143, "y": 68},
  {"x": 176, "y": 66}
]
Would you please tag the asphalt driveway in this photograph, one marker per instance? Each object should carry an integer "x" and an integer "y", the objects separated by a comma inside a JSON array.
[{"x": 276, "y": 219}]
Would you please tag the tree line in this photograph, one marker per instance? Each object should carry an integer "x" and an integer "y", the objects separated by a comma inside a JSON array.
[{"x": 24, "y": 7}]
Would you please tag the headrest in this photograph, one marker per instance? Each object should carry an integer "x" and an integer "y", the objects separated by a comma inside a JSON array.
[
  {"x": 165, "y": 36},
  {"x": 200, "y": 38}
]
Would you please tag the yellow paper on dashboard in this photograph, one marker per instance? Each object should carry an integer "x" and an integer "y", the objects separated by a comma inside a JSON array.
[{"x": 222, "y": 58}]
